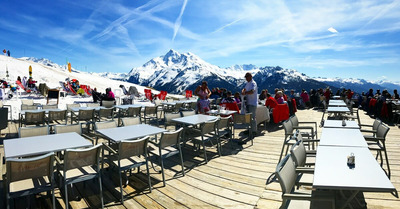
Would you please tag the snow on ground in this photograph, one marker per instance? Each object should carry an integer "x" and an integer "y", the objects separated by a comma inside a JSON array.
[{"x": 52, "y": 76}]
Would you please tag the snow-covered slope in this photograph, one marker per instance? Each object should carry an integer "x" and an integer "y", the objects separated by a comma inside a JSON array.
[{"x": 45, "y": 71}]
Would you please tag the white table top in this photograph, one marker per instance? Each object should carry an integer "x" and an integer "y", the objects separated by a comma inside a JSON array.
[
  {"x": 194, "y": 119},
  {"x": 337, "y": 109},
  {"x": 222, "y": 112},
  {"x": 130, "y": 132},
  {"x": 22, "y": 147},
  {"x": 332, "y": 171},
  {"x": 338, "y": 124},
  {"x": 337, "y": 103},
  {"x": 342, "y": 137}
]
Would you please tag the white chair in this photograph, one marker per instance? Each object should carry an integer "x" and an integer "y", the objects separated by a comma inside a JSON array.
[
  {"x": 130, "y": 121},
  {"x": 28, "y": 176},
  {"x": 129, "y": 157},
  {"x": 80, "y": 165},
  {"x": 209, "y": 133},
  {"x": 169, "y": 145},
  {"x": 294, "y": 198},
  {"x": 33, "y": 131}
]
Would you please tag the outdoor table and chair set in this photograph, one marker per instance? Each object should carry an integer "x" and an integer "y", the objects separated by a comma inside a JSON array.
[
  {"x": 127, "y": 143},
  {"x": 340, "y": 168}
]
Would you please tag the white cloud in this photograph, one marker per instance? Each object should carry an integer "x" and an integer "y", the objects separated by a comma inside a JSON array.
[
  {"x": 178, "y": 21},
  {"x": 332, "y": 30}
]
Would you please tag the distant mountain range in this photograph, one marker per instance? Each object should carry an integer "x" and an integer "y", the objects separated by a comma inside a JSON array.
[{"x": 175, "y": 72}]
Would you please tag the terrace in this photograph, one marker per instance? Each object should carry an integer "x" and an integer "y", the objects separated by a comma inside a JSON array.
[{"x": 237, "y": 179}]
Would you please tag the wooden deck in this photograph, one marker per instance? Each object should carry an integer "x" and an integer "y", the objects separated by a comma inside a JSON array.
[{"x": 238, "y": 179}]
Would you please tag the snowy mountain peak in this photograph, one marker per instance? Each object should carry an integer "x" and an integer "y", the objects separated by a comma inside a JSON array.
[
  {"x": 42, "y": 61},
  {"x": 245, "y": 67}
]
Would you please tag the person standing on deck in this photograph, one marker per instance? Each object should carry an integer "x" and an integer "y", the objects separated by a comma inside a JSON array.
[{"x": 250, "y": 90}]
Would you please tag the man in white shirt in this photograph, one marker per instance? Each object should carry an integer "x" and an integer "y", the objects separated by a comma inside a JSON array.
[{"x": 250, "y": 90}]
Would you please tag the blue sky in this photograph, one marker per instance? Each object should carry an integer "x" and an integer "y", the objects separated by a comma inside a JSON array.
[{"x": 347, "y": 39}]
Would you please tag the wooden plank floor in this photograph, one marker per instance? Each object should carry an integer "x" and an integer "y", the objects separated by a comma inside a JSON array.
[{"x": 238, "y": 179}]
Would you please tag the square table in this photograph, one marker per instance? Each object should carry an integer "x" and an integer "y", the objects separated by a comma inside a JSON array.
[
  {"x": 130, "y": 132},
  {"x": 342, "y": 137},
  {"x": 221, "y": 112},
  {"x": 339, "y": 124},
  {"x": 36, "y": 145},
  {"x": 337, "y": 103},
  {"x": 332, "y": 172},
  {"x": 338, "y": 110},
  {"x": 194, "y": 119}
]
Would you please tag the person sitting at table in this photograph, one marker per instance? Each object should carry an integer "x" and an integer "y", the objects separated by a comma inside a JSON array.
[
  {"x": 228, "y": 98},
  {"x": 270, "y": 102},
  {"x": 109, "y": 96},
  {"x": 395, "y": 94},
  {"x": 238, "y": 100},
  {"x": 280, "y": 99}
]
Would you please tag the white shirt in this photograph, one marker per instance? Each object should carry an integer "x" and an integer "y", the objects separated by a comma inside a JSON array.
[{"x": 252, "y": 98}]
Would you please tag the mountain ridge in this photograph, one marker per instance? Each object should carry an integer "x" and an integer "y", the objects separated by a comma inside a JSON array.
[{"x": 175, "y": 72}]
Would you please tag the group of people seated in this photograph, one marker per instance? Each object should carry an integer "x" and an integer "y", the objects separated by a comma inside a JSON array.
[{"x": 108, "y": 96}]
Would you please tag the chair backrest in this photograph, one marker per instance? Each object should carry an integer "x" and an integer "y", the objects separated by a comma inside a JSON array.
[
  {"x": 224, "y": 122},
  {"x": 382, "y": 131},
  {"x": 218, "y": 101},
  {"x": 294, "y": 120},
  {"x": 129, "y": 148},
  {"x": 27, "y": 101},
  {"x": 150, "y": 110},
  {"x": 130, "y": 121},
  {"x": 78, "y": 158},
  {"x": 178, "y": 106},
  {"x": 77, "y": 128},
  {"x": 242, "y": 118},
  {"x": 34, "y": 118},
  {"x": 105, "y": 125},
  {"x": 286, "y": 174},
  {"x": 28, "y": 168},
  {"x": 134, "y": 111},
  {"x": 376, "y": 124},
  {"x": 93, "y": 105},
  {"x": 28, "y": 107},
  {"x": 298, "y": 153},
  {"x": 69, "y": 106},
  {"x": 107, "y": 103},
  {"x": 58, "y": 115},
  {"x": 188, "y": 113},
  {"x": 106, "y": 113},
  {"x": 169, "y": 116},
  {"x": 33, "y": 131},
  {"x": 86, "y": 114},
  {"x": 209, "y": 126},
  {"x": 47, "y": 107},
  {"x": 170, "y": 138},
  {"x": 288, "y": 127}
]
